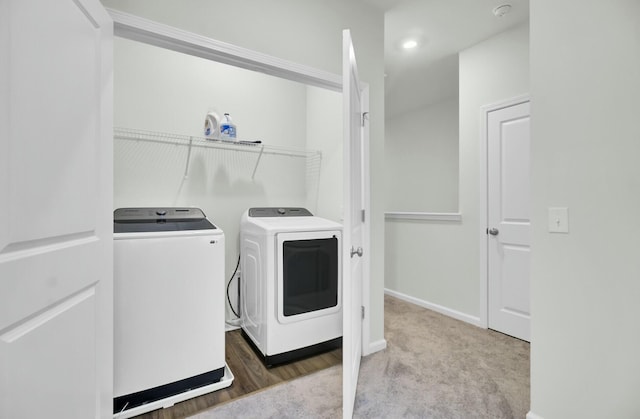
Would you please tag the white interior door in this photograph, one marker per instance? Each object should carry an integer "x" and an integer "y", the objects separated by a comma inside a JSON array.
[
  {"x": 55, "y": 217},
  {"x": 353, "y": 238},
  {"x": 509, "y": 224}
]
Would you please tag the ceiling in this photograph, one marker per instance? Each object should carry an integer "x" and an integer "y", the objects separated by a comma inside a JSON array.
[{"x": 428, "y": 73}]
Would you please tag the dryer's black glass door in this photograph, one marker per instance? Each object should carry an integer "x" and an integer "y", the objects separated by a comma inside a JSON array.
[{"x": 310, "y": 275}]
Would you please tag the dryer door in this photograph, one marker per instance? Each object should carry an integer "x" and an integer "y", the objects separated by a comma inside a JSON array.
[{"x": 309, "y": 275}]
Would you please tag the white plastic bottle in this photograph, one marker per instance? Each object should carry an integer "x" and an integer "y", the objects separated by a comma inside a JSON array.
[
  {"x": 212, "y": 126},
  {"x": 227, "y": 128}
]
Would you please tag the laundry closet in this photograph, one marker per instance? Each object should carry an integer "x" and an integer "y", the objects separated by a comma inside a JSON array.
[
  {"x": 286, "y": 156},
  {"x": 161, "y": 158}
]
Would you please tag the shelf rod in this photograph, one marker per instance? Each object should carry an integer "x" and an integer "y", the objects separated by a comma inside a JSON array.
[
  {"x": 186, "y": 168},
  {"x": 253, "y": 175},
  {"x": 260, "y": 149}
]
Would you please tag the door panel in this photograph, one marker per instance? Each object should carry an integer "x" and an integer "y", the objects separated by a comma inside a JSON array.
[
  {"x": 34, "y": 361},
  {"x": 353, "y": 226},
  {"x": 55, "y": 221},
  {"x": 22, "y": 273},
  {"x": 509, "y": 215},
  {"x": 515, "y": 295},
  {"x": 515, "y": 169},
  {"x": 40, "y": 106}
]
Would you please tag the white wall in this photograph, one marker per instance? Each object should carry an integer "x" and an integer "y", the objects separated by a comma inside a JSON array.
[
  {"x": 438, "y": 262},
  {"x": 324, "y": 133},
  {"x": 162, "y": 90},
  {"x": 585, "y": 71},
  {"x": 421, "y": 150},
  {"x": 172, "y": 95},
  {"x": 307, "y": 32}
]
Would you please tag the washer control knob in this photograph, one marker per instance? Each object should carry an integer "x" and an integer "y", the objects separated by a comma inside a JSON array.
[
  {"x": 282, "y": 211},
  {"x": 161, "y": 212}
]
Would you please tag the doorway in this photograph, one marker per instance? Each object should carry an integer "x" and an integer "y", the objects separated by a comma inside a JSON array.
[
  {"x": 506, "y": 241},
  {"x": 162, "y": 36}
]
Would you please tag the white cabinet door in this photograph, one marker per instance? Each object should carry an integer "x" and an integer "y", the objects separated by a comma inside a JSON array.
[
  {"x": 353, "y": 238},
  {"x": 55, "y": 209},
  {"x": 509, "y": 221}
]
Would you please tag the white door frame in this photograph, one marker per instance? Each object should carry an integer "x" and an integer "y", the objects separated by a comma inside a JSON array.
[
  {"x": 164, "y": 36},
  {"x": 367, "y": 348},
  {"x": 153, "y": 33},
  {"x": 484, "y": 202}
]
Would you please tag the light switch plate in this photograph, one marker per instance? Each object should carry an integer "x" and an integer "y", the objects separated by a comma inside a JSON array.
[{"x": 559, "y": 220}]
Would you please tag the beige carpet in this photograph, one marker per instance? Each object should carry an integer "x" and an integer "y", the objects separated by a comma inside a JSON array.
[{"x": 433, "y": 367}]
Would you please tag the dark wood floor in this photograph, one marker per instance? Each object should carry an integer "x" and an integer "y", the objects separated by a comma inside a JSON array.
[{"x": 250, "y": 376}]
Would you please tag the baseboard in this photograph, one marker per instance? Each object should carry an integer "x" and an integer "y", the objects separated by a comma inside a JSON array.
[
  {"x": 532, "y": 415},
  {"x": 377, "y": 346},
  {"x": 436, "y": 307}
]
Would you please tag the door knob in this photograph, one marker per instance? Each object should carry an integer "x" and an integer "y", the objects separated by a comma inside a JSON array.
[
  {"x": 493, "y": 231},
  {"x": 357, "y": 251}
]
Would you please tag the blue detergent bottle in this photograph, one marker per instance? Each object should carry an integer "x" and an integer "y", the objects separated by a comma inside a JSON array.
[{"x": 227, "y": 128}]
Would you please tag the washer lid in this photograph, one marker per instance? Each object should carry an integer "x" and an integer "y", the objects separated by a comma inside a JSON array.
[
  {"x": 155, "y": 214},
  {"x": 134, "y": 220}
]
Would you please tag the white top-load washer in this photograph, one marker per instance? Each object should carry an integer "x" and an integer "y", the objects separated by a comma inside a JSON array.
[
  {"x": 169, "y": 325},
  {"x": 291, "y": 276}
]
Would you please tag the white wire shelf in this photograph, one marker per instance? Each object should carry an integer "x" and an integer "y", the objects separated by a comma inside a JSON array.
[
  {"x": 194, "y": 141},
  {"x": 257, "y": 148}
]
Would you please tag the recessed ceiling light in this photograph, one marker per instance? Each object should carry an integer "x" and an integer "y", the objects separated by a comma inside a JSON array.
[
  {"x": 409, "y": 44},
  {"x": 502, "y": 10}
]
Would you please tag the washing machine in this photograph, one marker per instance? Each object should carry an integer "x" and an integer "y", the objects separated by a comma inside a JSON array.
[
  {"x": 169, "y": 342},
  {"x": 291, "y": 283}
]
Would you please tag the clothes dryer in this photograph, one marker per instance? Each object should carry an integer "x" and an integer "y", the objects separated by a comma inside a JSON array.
[{"x": 291, "y": 276}]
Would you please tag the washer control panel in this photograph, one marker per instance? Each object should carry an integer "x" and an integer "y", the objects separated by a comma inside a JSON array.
[
  {"x": 157, "y": 214},
  {"x": 147, "y": 220},
  {"x": 279, "y": 212}
]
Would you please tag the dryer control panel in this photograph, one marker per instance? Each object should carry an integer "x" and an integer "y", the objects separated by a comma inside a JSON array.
[{"x": 279, "y": 212}]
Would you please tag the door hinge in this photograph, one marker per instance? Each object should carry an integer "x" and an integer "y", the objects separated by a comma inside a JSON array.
[
  {"x": 365, "y": 116},
  {"x": 362, "y": 216},
  {"x": 362, "y": 310}
]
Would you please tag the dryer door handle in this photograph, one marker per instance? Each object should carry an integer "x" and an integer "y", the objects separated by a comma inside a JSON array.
[{"x": 357, "y": 251}]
